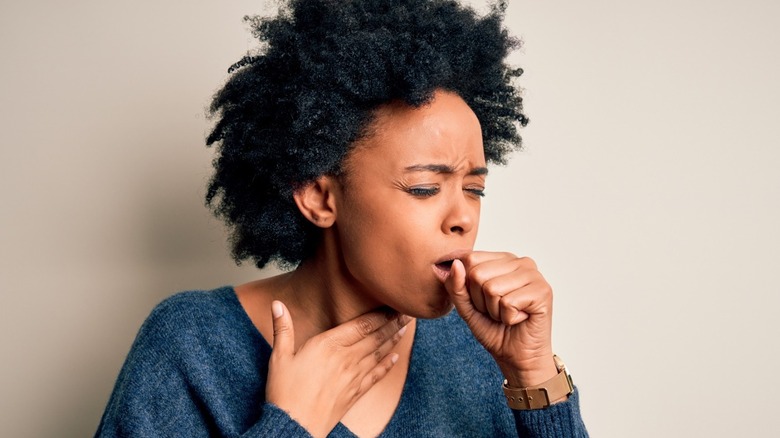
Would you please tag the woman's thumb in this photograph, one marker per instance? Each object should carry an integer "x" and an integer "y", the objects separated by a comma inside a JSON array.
[
  {"x": 456, "y": 287},
  {"x": 284, "y": 335}
]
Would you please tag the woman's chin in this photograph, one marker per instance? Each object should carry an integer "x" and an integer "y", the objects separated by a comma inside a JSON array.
[{"x": 432, "y": 310}]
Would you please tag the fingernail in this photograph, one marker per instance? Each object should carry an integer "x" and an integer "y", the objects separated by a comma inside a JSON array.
[
  {"x": 394, "y": 358},
  {"x": 402, "y": 331},
  {"x": 276, "y": 309}
]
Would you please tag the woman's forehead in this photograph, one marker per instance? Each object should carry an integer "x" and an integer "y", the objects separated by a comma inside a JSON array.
[
  {"x": 444, "y": 106},
  {"x": 445, "y": 132}
]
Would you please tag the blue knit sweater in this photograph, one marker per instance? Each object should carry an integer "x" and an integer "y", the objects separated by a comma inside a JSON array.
[{"x": 198, "y": 368}]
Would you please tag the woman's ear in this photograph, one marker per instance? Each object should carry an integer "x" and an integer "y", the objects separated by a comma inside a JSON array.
[{"x": 316, "y": 201}]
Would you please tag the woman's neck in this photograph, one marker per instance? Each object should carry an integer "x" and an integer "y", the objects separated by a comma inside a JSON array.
[{"x": 321, "y": 294}]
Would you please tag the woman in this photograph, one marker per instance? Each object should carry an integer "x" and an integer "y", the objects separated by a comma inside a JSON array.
[{"x": 354, "y": 149}]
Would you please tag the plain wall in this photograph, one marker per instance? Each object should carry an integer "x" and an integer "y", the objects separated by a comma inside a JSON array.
[{"x": 648, "y": 193}]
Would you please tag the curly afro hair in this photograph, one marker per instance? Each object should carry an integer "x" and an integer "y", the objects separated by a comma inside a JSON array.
[{"x": 290, "y": 114}]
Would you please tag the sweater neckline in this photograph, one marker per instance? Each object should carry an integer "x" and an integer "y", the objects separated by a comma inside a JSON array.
[{"x": 340, "y": 428}]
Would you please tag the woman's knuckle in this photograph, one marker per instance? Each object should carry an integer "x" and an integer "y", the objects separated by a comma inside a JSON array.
[
  {"x": 528, "y": 261},
  {"x": 492, "y": 288},
  {"x": 468, "y": 259},
  {"x": 478, "y": 276},
  {"x": 364, "y": 327},
  {"x": 282, "y": 329},
  {"x": 505, "y": 304},
  {"x": 353, "y": 391},
  {"x": 517, "y": 264},
  {"x": 545, "y": 290}
]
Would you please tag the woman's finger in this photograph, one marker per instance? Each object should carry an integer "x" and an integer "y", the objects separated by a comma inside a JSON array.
[
  {"x": 521, "y": 304},
  {"x": 491, "y": 278},
  {"x": 481, "y": 267},
  {"x": 284, "y": 333},
  {"x": 459, "y": 294},
  {"x": 377, "y": 373},
  {"x": 475, "y": 258},
  {"x": 477, "y": 297},
  {"x": 497, "y": 286},
  {"x": 375, "y": 356},
  {"x": 359, "y": 328},
  {"x": 381, "y": 340}
]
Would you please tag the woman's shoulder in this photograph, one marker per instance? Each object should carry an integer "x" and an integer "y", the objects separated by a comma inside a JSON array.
[
  {"x": 183, "y": 304},
  {"x": 196, "y": 317},
  {"x": 191, "y": 307},
  {"x": 195, "y": 358}
]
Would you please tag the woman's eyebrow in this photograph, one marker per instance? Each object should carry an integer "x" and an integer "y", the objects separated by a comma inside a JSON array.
[{"x": 443, "y": 168}]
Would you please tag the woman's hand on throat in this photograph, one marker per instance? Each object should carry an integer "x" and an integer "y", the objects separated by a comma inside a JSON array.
[{"x": 317, "y": 384}]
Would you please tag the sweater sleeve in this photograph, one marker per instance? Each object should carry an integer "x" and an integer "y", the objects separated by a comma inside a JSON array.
[
  {"x": 561, "y": 420},
  {"x": 160, "y": 391}
]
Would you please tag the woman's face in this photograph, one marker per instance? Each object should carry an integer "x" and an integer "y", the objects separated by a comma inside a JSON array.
[{"x": 410, "y": 203}]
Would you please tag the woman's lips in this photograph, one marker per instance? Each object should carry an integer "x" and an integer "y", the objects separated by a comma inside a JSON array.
[{"x": 443, "y": 266}]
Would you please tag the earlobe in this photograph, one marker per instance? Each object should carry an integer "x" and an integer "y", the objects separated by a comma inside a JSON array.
[{"x": 316, "y": 202}]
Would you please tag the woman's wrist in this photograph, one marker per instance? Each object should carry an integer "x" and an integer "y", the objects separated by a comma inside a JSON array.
[
  {"x": 530, "y": 373},
  {"x": 534, "y": 375}
]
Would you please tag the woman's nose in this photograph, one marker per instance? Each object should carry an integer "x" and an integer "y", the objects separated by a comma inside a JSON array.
[{"x": 461, "y": 216}]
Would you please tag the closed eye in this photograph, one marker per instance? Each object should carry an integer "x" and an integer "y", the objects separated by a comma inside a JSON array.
[
  {"x": 422, "y": 192},
  {"x": 476, "y": 192}
]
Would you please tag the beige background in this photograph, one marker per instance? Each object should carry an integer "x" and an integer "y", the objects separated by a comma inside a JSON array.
[{"x": 648, "y": 194}]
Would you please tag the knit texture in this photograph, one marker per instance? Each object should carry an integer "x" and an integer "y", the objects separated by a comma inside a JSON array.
[{"x": 198, "y": 368}]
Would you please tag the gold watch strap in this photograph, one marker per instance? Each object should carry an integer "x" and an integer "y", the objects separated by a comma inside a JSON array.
[{"x": 540, "y": 396}]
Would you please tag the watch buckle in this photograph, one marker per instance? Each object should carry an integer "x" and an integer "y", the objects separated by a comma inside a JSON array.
[{"x": 527, "y": 398}]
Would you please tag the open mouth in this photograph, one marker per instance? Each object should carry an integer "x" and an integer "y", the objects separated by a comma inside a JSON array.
[
  {"x": 445, "y": 265},
  {"x": 442, "y": 269}
]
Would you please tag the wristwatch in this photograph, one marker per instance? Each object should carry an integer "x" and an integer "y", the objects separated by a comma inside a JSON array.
[{"x": 540, "y": 396}]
